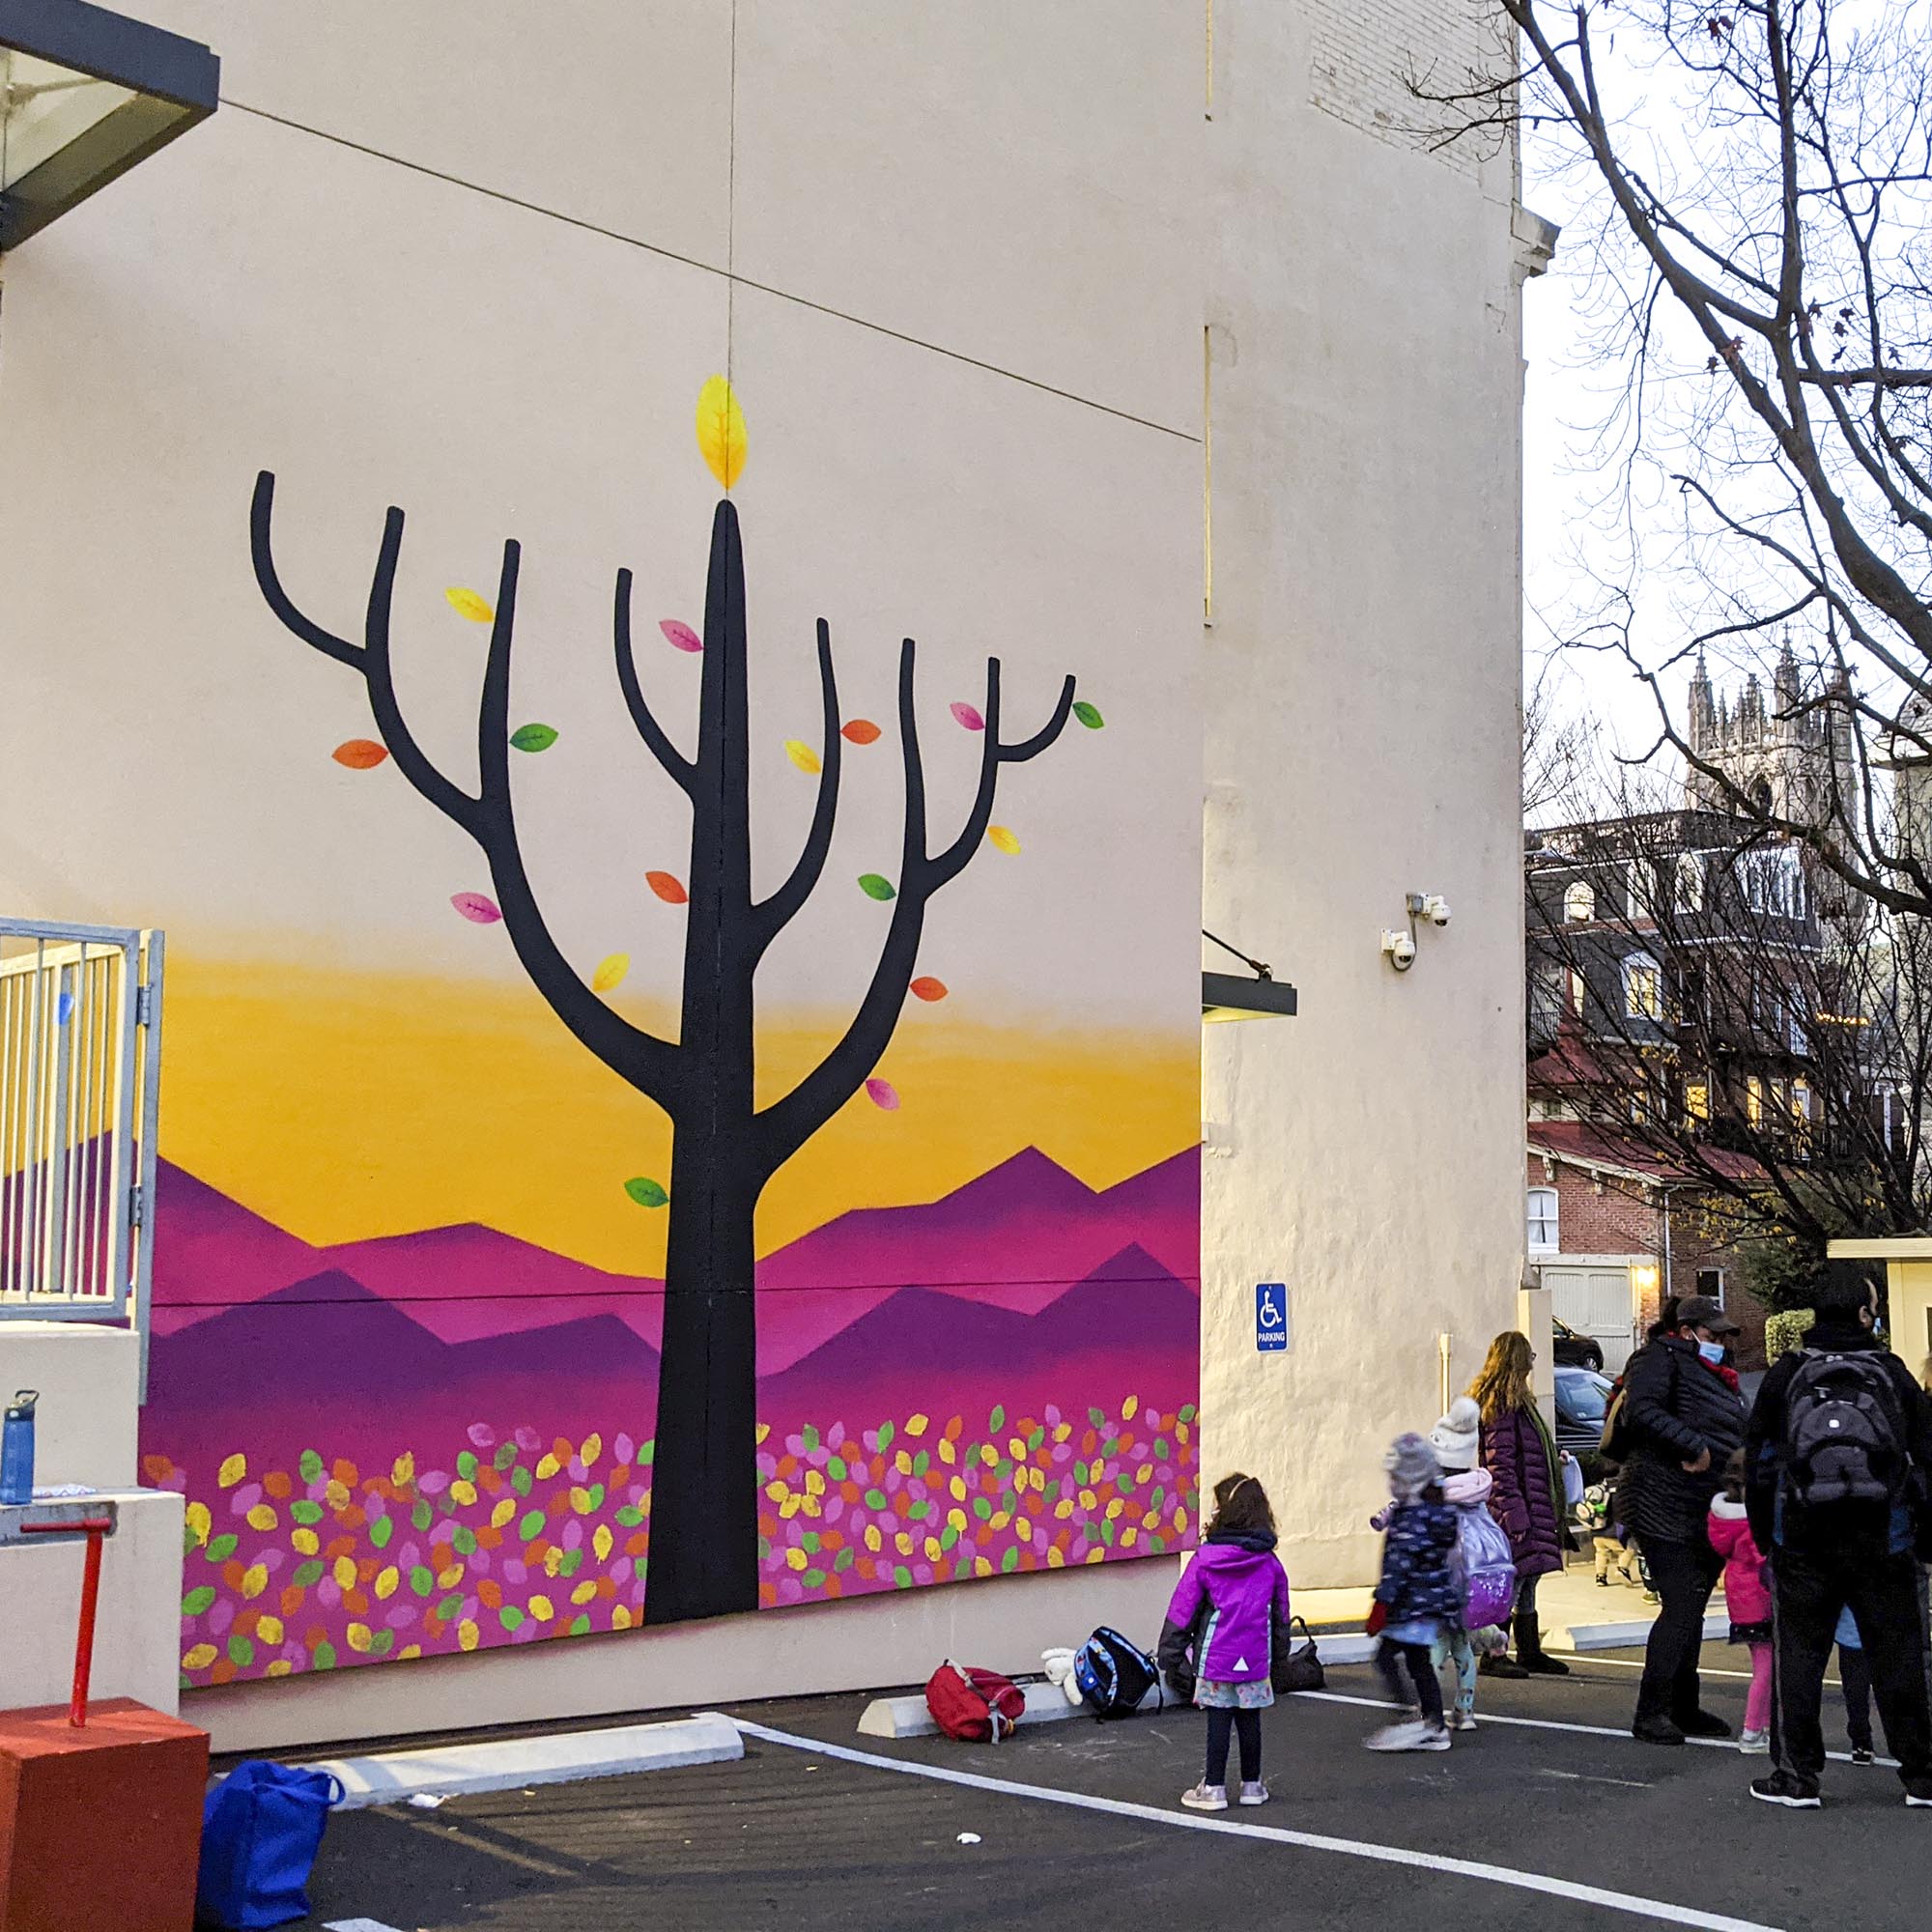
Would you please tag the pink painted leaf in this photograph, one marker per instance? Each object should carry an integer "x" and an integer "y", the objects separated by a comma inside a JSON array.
[
  {"x": 969, "y": 717},
  {"x": 681, "y": 634},
  {"x": 883, "y": 1094},
  {"x": 475, "y": 908}
]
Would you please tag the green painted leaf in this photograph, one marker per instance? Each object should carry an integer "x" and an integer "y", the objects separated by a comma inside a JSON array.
[
  {"x": 1009, "y": 1562},
  {"x": 809, "y": 1435},
  {"x": 451, "y": 1608},
  {"x": 901, "y": 1577},
  {"x": 531, "y": 1526},
  {"x": 921, "y": 1464},
  {"x": 221, "y": 1548},
  {"x": 1107, "y": 1531},
  {"x": 645, "y": 1192},
  {"x": 306, "y": 1511},
  {"x": 845, "y": 1558},
  {"x": 1187, "y": 1411},
  {"x": 630, "y": 1515},
  {"x": 835, "y": 1469},
  {"x": 1161, "y": 1451},
  {"x": 510, "y": 1617},
  {"x": 198, "y": 1600},
  {"x": 462, "y": 1540},
  {"x": 241, "y": 1652},
  {"x": 422, "y": 1516},
  {"x": 596, "y": 1497},
  {"x": 324, "y": 1656},
  {"x": 310, "y": 1466},
  {"x": 1088, "y": 715},
  {"x": 877, "y": 885},
  {"x": 947, "y": 1537},
  {"x": 422, "y": 1579},
  {"x": 466, "y": 1465},
  {"x": 522, "y": 1480},
  {"x": 810, "y": 1540},
  {"x": 875, "y": 1499},
  {"x": 533, "y": 738},
  {"x": 572, "y": 1563},
  {"x": 647, "y": 1455},
  {"x": 188, "y": 1543},
  {"x": 764, "y": 1549},
  {"x": 1098, "y": 1417},
  {"x": 506, "y": 1454},
  {"x": 982, "y": 1508},
  {"x": 997, "y": 1418},
  {"x": 580, "y": 1625},
  {"x": 308, "y": 1574},
  {"x": 1035, "y": 1439},
  {"x": 813, "y": 1580},
  {"x": 383, "y": 1531},
  {"x": 381, "y": 1643}
]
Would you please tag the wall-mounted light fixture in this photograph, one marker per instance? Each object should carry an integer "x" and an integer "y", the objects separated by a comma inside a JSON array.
[
  {"x": 1227, "y": 996},
  {"x": 85, "y": 94}
]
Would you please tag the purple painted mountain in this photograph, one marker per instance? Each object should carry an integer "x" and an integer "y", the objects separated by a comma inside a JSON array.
[{"x": 1016, "y": 1238}]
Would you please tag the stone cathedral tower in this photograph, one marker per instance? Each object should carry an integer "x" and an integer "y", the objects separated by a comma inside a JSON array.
[{"x": 1791, "y": 752}]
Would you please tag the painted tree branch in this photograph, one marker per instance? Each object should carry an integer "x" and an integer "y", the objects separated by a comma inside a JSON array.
[
  {"x": 674, "y": 763},
  {"x": 771, "y": 916},
  {"x": 647, "y": 1063},
  {"x": 784, "y": 1126}
]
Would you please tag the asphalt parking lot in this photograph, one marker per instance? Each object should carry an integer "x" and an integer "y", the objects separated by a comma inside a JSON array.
[{"x": 1625, "y": 1835}]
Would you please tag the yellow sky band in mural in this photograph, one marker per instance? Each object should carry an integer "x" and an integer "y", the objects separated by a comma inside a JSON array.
[{"x": 346, "y": 1105}]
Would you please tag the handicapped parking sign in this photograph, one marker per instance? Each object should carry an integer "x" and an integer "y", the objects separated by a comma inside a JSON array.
[{"x": 1271, "y": 1317}]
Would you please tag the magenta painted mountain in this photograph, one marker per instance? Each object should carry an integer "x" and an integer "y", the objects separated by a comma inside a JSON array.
[{"x": 1015, "y": 1238}]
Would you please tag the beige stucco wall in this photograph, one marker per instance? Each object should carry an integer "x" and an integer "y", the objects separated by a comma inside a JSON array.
[{"x": 1362, "y": 662}]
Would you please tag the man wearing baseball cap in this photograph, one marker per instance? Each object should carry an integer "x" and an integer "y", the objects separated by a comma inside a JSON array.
[{"x": 1680, "y": 1418}]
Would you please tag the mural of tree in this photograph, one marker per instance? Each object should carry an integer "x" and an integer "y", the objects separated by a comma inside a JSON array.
[{"x": 704, "y": 1547}]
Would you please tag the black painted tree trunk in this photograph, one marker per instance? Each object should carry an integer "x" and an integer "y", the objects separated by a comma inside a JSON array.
[{"x": 704, "y": 1525}]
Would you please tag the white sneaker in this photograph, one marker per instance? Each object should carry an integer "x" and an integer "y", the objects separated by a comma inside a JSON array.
[
  {"x": 1205, "y": 1797},
  {"x": 1255, "y": 1793},
  {"x": 1461, "y": 1720},
  {"x": 1755, "y": 1743},
  {"x": 1412, "y": 1736}
]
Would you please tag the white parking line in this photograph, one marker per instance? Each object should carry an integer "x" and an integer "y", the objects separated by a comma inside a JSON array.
[
  {"x": 1703, "y": 1669},
  {"x": 358, "y": 1925},
  {"x": 1660, "y": 1910}
]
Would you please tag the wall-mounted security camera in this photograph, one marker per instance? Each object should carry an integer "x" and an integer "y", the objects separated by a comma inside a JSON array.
[
  {"x": 1400, "y": 950},
  {"x": 1436, "y": 909}
]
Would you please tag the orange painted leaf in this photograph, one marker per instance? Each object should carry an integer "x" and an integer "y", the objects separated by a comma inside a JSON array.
[
  {"x": 359, "y": 755},
  {"x": 861, "y": 732},
  {"x": 667, "y": 886},
  {"x": 930, "y": 988}
]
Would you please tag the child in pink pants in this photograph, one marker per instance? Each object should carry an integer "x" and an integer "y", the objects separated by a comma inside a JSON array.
[{"x": 1748, "y": 1599}]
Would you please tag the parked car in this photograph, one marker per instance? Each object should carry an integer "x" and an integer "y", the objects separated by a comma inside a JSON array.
[
  {"x": 1582, "y": 1399},
  {"x": 1573, "y": 1351}
]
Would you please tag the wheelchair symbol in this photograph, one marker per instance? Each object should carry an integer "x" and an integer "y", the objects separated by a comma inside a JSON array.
[{"x": 1268, "y": 1315}]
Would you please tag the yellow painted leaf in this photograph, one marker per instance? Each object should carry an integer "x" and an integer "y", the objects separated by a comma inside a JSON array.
[
  {"x": 802, "y": 754},
  {"x": 1003, "y": 839},
  {"x": 467, "y": 603},
  {"x": 721, "y": 431},
  {"x": 254, "y": 1580},
  {"x": 199, "y": 1522},
  {"x": 610, "y": 972},
  {"x": 232, "y": 1470},
  {"x": 199, "y": 1658}
]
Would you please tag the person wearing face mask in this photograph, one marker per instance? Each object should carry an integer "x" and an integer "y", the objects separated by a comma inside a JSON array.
[{"x": 1681, "y": 1417}]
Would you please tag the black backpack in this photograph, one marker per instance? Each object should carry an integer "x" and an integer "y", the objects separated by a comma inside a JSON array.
[
  {"x": 1845, "y": 1437},
  {"x": 1113, "y": 1675}
]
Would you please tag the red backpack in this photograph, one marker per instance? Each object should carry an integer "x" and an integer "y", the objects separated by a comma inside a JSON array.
[{"x": 973, "y": 1706}]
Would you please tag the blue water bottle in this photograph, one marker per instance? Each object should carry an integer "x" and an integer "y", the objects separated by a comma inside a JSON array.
[{"x": 16, "y": 1449}]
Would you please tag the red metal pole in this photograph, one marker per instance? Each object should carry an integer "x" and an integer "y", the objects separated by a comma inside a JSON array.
[{"x": 90, "y": 1600}]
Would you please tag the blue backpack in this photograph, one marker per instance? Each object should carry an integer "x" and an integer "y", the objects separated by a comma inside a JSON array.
[
  {"x": 261, "y": 1828},
  {"x": 1113, "y": 1675}
]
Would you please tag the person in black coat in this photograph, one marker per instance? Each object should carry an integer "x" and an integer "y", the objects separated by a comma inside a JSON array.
[
  {"x": 1681, "y": 1417},
  {"x": 1843, "y": 1549}
]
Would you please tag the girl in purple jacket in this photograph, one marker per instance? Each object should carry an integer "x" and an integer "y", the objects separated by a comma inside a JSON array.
[{"x": 1226, "y": 1610}]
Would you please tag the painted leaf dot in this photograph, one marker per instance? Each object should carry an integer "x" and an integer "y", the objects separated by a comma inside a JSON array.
[
  {"x": 682, "y": 636},
  {"x": 925, "y": 988},
  {"x": 876, "y": 887},
  {"x": 802, "y": 754},
  {"x": 475, "y": 908},
  {"x": 467, "y": 603},
  {"x": 1088, "y": 715},
  {"x": 645, "y": 1192},
  {"x": 969, "y": 717},
  {"x": 721, "y": 431},
  {"x": 359, "y": 755},
  {"x": 533, "y": 738},
  {"x": 860, "y": 731},
  {"x": 610, "y": 972},
  {"x": 1002, "y": 839},
  {"x": 667, "y": 886},
  {"x": 883, "y": 1094}
]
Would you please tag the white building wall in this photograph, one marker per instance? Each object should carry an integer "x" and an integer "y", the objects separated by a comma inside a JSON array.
[{"x": 1362, "y": 668}]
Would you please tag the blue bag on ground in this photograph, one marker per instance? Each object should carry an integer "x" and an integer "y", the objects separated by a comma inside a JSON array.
[{"x": 261, "y": 1830}]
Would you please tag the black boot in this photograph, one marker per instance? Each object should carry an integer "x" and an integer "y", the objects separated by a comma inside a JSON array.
[
  {"x": 1531, "y": 1652},
  {"x": 1499, "y": 1663}
]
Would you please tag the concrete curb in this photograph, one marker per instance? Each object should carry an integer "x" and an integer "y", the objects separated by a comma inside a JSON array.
[
  {"x": 1631, "y": 1634},
  {"x": 506, "y": 1764}
]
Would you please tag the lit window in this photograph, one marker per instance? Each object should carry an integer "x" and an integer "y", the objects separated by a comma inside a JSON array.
[
  {"x": 1577, "y": 989},
  {"x": 1754, "y": 1100},
  {"x": 1690, "y": 883},
  {"x": 1579, "y": 902},
  {"x": 1542, "y": 1220},
  {"x": 1801, "y": 1102},
  {"x": 1643, "y": 989},
  {"x": 1698, "y": 1100}
]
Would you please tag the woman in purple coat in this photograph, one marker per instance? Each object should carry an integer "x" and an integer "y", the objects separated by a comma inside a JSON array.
[
  {"x": 1527, "y": 1496},
  {"x": 1231, "y": 1600}
]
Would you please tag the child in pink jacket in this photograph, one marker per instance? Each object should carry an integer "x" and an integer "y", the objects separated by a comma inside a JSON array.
[{"x": 1748, "y": 1597}]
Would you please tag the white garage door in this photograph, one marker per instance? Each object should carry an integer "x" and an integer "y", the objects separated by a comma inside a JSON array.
[{"x": 1594, "y": 1300}]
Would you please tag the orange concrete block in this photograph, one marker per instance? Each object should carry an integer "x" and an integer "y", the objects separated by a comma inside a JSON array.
[{"x": 100, "y": 1827}]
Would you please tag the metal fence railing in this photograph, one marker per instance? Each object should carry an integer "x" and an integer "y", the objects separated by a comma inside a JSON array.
[{"x": 80, "y": 1041}]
